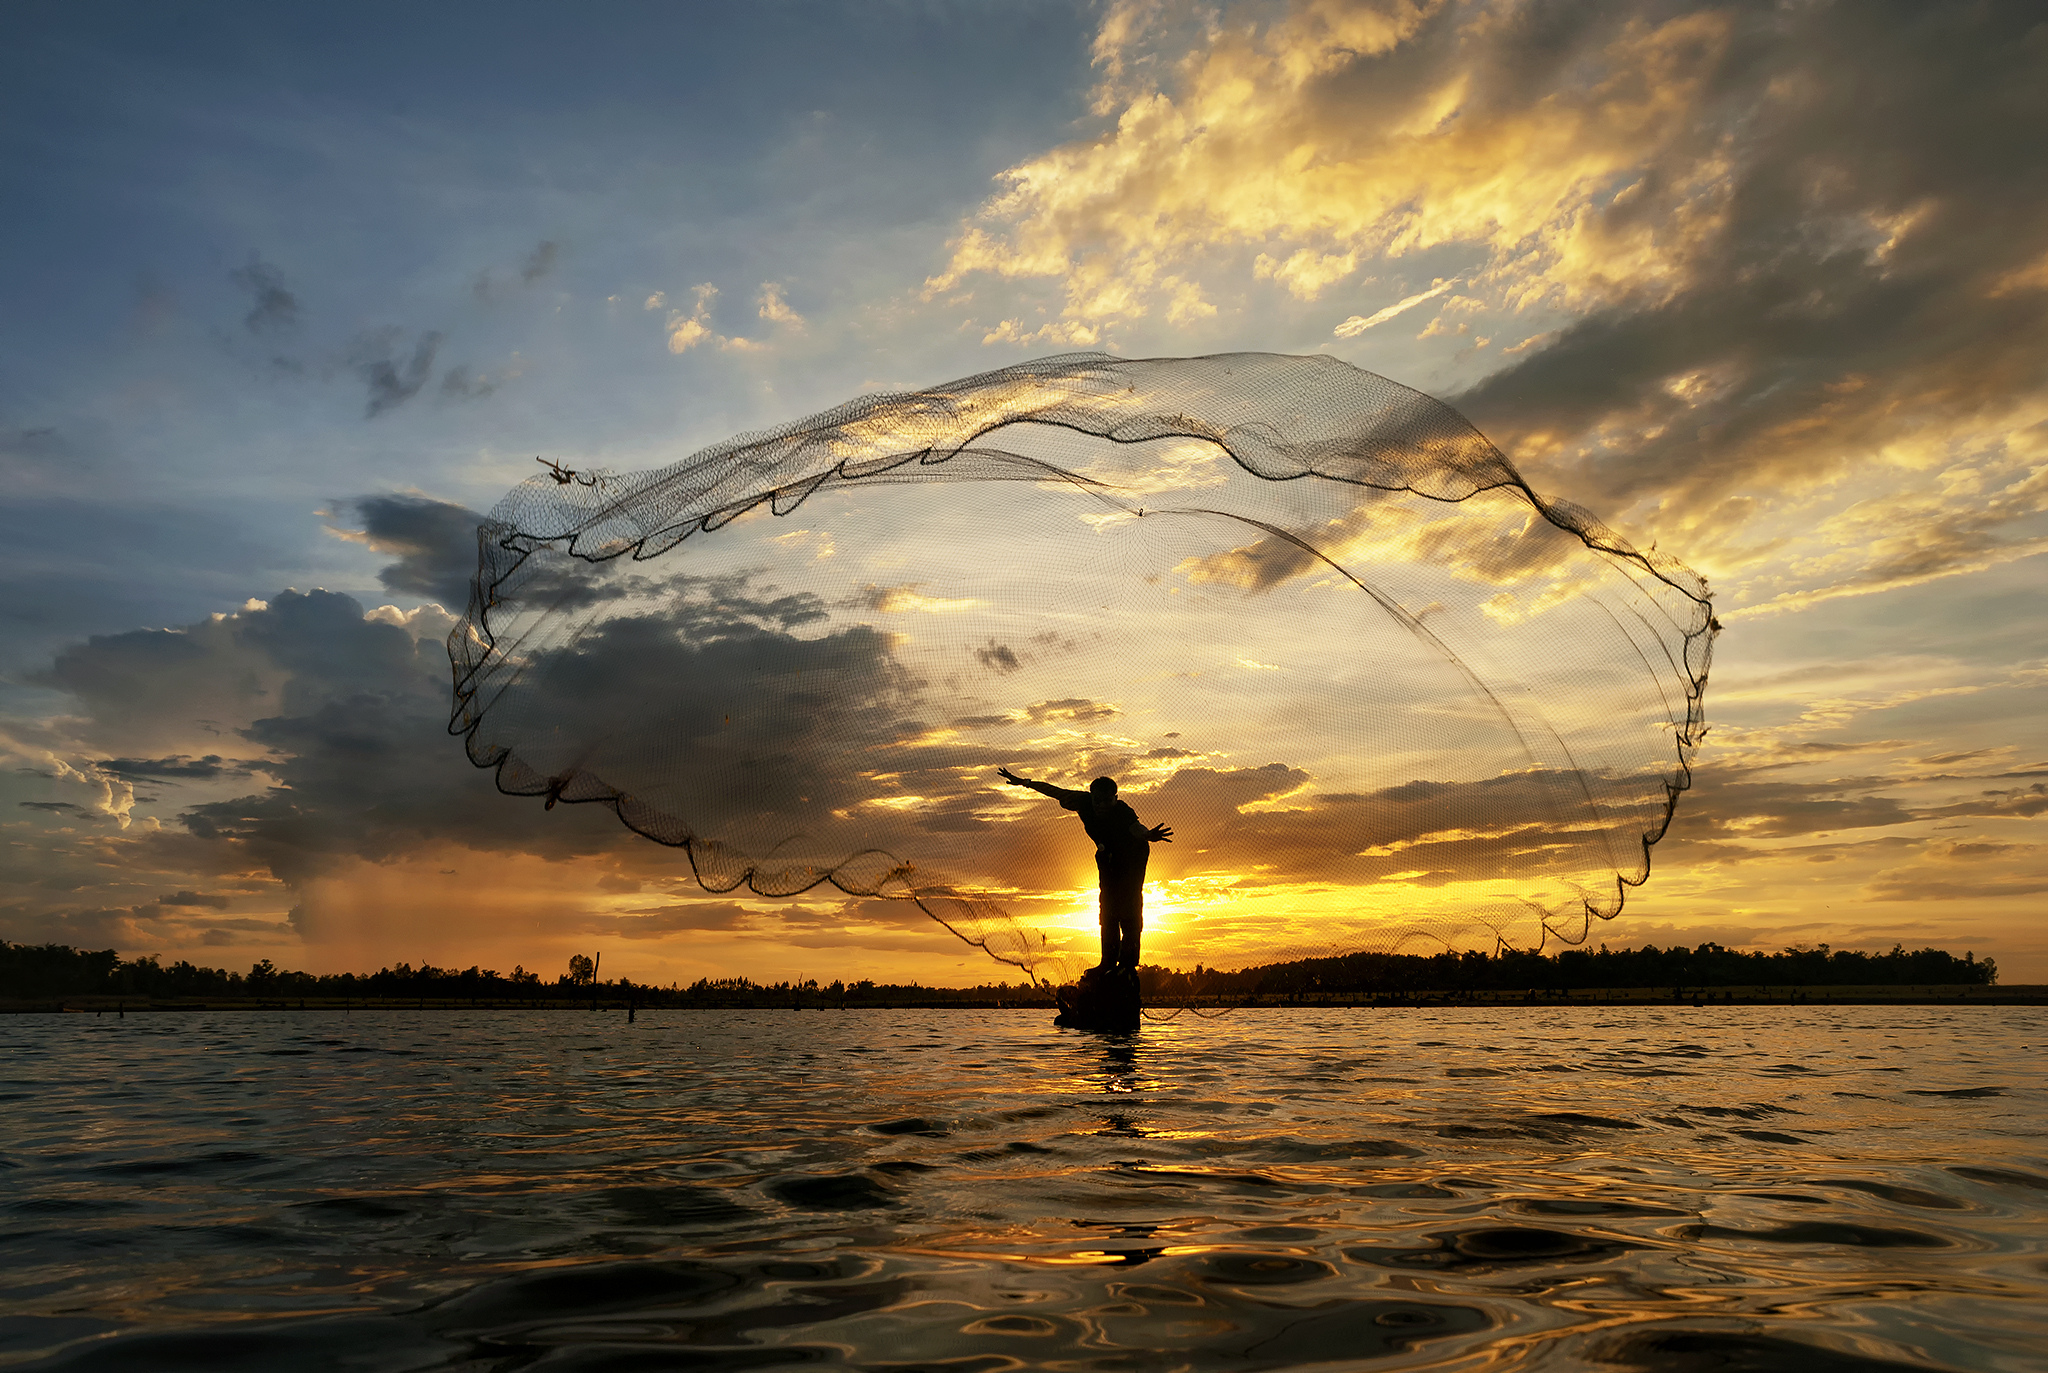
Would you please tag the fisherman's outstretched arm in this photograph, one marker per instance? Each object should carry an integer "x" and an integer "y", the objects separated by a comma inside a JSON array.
[{"x": 1059, "y": 794}]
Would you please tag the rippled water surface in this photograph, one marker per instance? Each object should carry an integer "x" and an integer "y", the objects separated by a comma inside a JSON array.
[{"x": 1740, "y": 1188}]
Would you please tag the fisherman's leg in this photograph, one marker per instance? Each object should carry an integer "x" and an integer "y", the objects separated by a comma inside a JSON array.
[
  {"x": 1133, "y": 919},
  {"x": 1105, "y": 878},
  {"x": 1116, "y": 924},
  {"x": 1125, "y": 903}
]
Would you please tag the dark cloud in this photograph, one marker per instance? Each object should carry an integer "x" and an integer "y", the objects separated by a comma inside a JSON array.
[
  {"x": 1210, "y": 789},
  {"x": 391, "y": 377},
  {"x": 179, "y": 767},
  {"x": 701, "y": 607},
  {"x": 459, "y": 383},
  {"x": 998, "y": 657},
  {"x": 876, "y": 924},
  {"x": 1071, "y": 710},
  {"x": 1948, "y": 759},
  {"x": 656, "y": 921},
  {"x": 1258, "y": 566},
  {"x": 733, "y": 717},
  {"x": 349, "y": 716},
  {"x": 1962, "y": 851},
  {"x": 194, "y": 900},
  {"x": 870, "y": 910},
  {"x": 274, "y": 307},
  {"x": 331, "y": 654},
  {"x": 1483, "y": 828},
  {"x": 363, "y": 763},
  {"x": 1948, "y": 872},
  {"x": 434, "y": 541},
  {"x": 1731, "y": 804},
  {"x": 2016, "y": 802},
  {"x": 964, "y": 814},
  {"x": 540, "y": 261},
  {"x": 714, "y": 606},
  {"x": 1725, "y": 806},
  {"x": 1800, "y": 752},
  {"x": 135, "y": 688},
  {"x": 887, "y": 599},
  {"x": 538, "y": 264},
  {"x": 1920, "y": 888},
  {"x": 57, "y": 808}
]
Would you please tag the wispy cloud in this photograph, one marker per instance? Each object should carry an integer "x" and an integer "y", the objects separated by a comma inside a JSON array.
[
  {"x": 1358, "y": 324},
  {"x": 391, "y": 375},
  {"x": 273, "y": 307}
]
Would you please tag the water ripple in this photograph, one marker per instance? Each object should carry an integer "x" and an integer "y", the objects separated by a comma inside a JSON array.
[{"x": 1742, "y": 1188}]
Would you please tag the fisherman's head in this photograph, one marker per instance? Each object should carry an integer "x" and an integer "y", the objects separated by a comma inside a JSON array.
[{"x": 1103, "y": 788}]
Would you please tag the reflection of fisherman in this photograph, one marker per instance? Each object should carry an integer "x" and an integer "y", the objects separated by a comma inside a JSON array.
[{"x": 1122, "y": 845}]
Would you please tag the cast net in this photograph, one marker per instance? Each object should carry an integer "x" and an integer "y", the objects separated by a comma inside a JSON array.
[{"x": 1311, "y": 618}]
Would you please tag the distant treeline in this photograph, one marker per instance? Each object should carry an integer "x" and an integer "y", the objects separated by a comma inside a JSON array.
[
  {"x": 41, "y": 972},
  {"x": 47, "y": 971},
  {"x": 1709, "y": 965}
]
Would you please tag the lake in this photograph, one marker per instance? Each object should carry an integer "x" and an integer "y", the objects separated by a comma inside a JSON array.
[{"x": 1819, "y": 1189}]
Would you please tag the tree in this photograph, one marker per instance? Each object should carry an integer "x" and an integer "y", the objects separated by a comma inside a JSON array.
[{"x": 581, "y": 969}]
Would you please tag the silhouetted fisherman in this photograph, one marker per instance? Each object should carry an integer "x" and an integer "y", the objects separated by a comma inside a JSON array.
[{"x": 1122, "y": 847}]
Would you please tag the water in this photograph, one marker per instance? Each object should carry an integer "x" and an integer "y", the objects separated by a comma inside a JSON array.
[{"x": 1738, "y": 1188}]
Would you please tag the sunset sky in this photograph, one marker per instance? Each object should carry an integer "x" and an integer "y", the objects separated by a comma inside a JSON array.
[{"x": 286, "y": 295}]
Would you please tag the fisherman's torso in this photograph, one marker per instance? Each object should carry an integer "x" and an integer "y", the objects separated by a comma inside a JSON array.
[{"x": 1114, "y": 827}]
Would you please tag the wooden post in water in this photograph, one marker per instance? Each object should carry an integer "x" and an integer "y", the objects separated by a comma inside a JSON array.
[
  {"x": 1104, "y": 1002},
  {"x": 595, "y": 966}
]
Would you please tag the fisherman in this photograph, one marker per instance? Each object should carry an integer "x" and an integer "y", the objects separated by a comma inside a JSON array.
[{"x": 1122, "y": 846}]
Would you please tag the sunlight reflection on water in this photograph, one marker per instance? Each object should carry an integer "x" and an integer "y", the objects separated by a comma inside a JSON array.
[{"x": 1821, "y": 1189}]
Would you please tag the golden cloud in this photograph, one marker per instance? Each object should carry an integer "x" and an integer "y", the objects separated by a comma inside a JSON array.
[{"x": 1283, "y": 135}]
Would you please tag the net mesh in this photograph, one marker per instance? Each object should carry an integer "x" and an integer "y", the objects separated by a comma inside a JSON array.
[{"x": 1309, "y": 617}]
